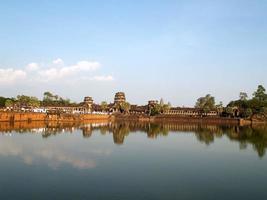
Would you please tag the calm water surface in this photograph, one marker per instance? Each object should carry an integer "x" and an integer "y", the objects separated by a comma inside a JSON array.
[{"x": 132, "y": 161}]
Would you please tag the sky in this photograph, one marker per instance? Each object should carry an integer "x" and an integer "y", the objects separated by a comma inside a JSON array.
[{"x": 149, "y": 49}]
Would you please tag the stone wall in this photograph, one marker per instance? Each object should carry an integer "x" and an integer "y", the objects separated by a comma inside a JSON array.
[{"x": 20, "y": 116}]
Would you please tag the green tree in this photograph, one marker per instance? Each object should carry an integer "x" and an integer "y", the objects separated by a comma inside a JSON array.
[
  {"x": 229, "y": 111},
  {"x": 155, "y": 110},
  {"x": 260, "y": 93},
  {"x": 248, "y": 112},
  {"x": 48, "y": 96},
  {"x": 219, "y": 107},
  {"x": 206, "y": 103},
  {"x": 34, "y": 102},
  {"x": 2, "y": 101},
  {"x": 243, "y": 96},
  {"x": 9, "y": 103},
  {"x": 104, "y": 105},
  {"x": 24, "y": 101},
  {"x": 125, "y": 107}
]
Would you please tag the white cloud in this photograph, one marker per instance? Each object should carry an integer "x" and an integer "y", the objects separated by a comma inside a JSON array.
[
  {"x": 10, "y": 75},
  {"x": 103, "y": 78},
  {"x": 45, "y": 72},
  {"x": 58, "y": 61},
  {"x": 32, "y": 67},
  {"x": 68, "y": 71}
]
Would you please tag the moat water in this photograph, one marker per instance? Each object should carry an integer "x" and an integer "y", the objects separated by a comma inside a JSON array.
[{"x": 132, "y": 161}]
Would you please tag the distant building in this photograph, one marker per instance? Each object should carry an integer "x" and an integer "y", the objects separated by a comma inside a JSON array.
[
  {"x": 189, "y": 112},
  {"x": 88, "y": 104},
  {"x": 119, "y": 98}
]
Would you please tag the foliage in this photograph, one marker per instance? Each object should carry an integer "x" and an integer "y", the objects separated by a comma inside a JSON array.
[
  {"x": 27, "y": 101},
  {"x": 256, "y": 105},
  {"x": 9, "y": 103},
  {"x": 2, "y": 101},
  {"x": 243, "y": 96},
  {"x": 160, "y": 108},
  {"x": 155, "y": 110},
  {"x": 50, "y": 99},
  {"x": 248, "y": 113},
  {"x": 104, "y": 105},
  {"x": 125, "y": 107},
  {"x": 206, "y": 103},
  {"x": 219, "y": 107},
  {"x": 260, "y": 94}
]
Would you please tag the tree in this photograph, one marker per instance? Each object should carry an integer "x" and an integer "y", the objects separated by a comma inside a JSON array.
[
  {"x": 248, "y": 112},
  {"x": 2, "y": 101},
  {"x": 48, "y": 96},
  {"x": 260, "y": 93},
  {"x": 206, "y": 103},
  {"x": 104, "y": 105},
  {"x": 125, "y": 107},
  {"x": 219, "y": 107},
  {"x": 25, "y": 101},
  {"x": 243, "y": 96},
  {"x": 34, "y": 102},
  {"x": 229, "y": 111},
  {"x": 50, "y": 99},
  {"x": 156, "y": 109},
  {"x": 9, "y": 103},
  {"x": 165, "y": 108}
]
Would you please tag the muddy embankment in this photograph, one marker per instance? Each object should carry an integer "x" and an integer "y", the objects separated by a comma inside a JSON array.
[{"x": 22, "y": 116}]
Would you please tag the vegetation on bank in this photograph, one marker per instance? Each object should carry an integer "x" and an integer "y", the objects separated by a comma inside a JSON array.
[
  {"x": 160, "y": 108},
  {"x": 247, "y": 107},
  {"x": 49, "y": 99},
  {"x": 257, "y": 105}
]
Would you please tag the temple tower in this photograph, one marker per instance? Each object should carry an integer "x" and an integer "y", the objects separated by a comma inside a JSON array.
[
  {"x": 88, "y": 103},
  {"x": 119, "y": 98}
]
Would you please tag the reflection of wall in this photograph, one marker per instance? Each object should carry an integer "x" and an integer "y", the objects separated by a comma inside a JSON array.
[{"x": 205, "y": 133}]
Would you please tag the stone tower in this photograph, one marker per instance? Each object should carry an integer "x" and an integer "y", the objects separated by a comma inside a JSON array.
[
  {"x": 88, "y": 103},
  {"x": 119, "y": 98}
]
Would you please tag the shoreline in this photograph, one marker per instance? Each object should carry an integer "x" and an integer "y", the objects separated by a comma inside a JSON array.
[{"x": 64, "y": 117}]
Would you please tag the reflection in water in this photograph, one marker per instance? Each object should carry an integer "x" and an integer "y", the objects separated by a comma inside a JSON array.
[{"x": 256, "y": 135}]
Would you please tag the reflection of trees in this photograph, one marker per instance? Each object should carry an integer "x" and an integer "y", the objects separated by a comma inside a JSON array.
[
  {"x": 245, "y": 136},
  {"x": 120, "y": 130},
  {"x": 256, "y": 136},
  {"x": 207, "y": 133}
]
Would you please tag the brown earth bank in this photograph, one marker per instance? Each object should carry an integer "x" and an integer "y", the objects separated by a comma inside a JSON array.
[
  {"x": 22, "y": 116},
  {"x": 63, "y": 117}
]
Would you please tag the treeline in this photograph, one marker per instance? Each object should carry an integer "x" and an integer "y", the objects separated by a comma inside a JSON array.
[
  {"x": 255, "y": 105},
  {"x": 49, "y": 99},
  {"x": 246, "y": 108}
]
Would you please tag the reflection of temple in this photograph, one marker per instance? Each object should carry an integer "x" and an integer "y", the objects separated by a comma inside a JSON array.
[
  {"x": 205, "y": 133},
  {"x": 119, "y": 132},
  {"x": 87, "y": 131}
]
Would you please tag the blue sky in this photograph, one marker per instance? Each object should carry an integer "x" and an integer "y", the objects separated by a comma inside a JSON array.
[{"x": 178, "y": 50}]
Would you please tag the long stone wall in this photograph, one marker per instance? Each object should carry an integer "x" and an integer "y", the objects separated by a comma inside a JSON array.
[{"x": 20, "y": 116}]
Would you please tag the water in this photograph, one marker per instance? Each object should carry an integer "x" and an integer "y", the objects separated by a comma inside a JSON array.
[{"x": 132, "y": 161}]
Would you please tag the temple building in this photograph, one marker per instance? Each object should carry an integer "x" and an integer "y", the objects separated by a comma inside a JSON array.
[
  {"x": 88, "y": 104},
  {"x": 189, "y": 112},
  {"x": 84, "y": 107},
  {"x": 119, "y": 98}
]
